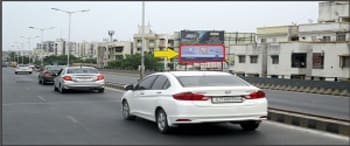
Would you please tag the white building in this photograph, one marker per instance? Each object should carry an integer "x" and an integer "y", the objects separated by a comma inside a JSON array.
[{"x": 110, "y": 51}]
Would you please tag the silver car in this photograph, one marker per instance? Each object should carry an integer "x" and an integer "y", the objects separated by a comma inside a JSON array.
[{"x": 73, "y": 78}]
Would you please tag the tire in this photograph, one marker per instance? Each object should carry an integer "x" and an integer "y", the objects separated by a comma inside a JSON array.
[
  {"x": 162, "y": 121},
  {"x": 44, "y": 82},
  {"x": 126, "y": 111},
  {"x": 30, "y": 72},
  {"x": 250, "y": 125},
  {"x": 39, "y": 81},
  {"x": 16, "y": 73}
]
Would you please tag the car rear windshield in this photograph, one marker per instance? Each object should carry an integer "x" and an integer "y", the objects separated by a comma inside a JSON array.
[
  {"x": 210, "y": 80},
  {"x": 82, "y": 70},
  {"x": 54, "y": 68}
]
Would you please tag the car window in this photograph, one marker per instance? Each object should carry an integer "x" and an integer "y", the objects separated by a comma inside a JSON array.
[
  {"x": 146, "y": 84},
  {"x": 159, "y": 82},
  {"x": 210, "y": 80},
  {"x": 82, "y": 70},
  {"x": 166, "y": 85}
]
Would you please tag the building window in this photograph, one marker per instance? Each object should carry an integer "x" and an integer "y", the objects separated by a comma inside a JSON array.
[
  {"x": 317, "y": 60},
  {"x": 254, "y": 59},
  {"x": 340, "y": 37},
  {"x": 118, "y": 49},
  {"x": 299, "y": 60},
  {"x": 138, "y": 49},
  {"x": 241, "y": 58},
  {"x": 326, "y": 38},
  {"x": 344, "y": 61},
  {"x": 294, "y": 38},
  {"x": 275, "y": 59},
  {"x": 263, "y": 40}
]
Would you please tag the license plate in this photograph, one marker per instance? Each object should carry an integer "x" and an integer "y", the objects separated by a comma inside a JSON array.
[
  {"x": 226, "y": 99},
  {"x": 84, "y": 79}
]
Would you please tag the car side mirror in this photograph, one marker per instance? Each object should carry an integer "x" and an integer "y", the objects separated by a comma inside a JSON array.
[{"x": 129, "y": 87}]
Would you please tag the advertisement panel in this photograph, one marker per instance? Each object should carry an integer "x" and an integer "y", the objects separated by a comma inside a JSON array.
[
  {"x": 201, "y": 37},
  {"x": 201, "y": 53}
]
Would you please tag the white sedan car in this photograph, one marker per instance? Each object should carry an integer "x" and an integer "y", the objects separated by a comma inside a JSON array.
[
  {"x": 185, "y": 97},
  {"x": 23, "y": 68}
]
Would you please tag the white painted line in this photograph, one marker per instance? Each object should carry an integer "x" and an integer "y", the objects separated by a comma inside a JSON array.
[
  {"x": 42, "y": 99},
  {"x": 116, "y": 90},
  {"x": 74, "y": 120},
  {"x": 312, "y": 131}
]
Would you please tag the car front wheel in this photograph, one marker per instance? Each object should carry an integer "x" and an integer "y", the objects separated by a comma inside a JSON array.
[
  {"x": 250, "y": 125},
  {"x": 162, "y": 121},
  {"x": 126, "y": 111}
]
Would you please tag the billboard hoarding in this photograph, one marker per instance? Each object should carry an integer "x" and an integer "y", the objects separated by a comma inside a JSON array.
[
  {"x": 201, "y": 37},
  {"x": 201, "y": 53}
]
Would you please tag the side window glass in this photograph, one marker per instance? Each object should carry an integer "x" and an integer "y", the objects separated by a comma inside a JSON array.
[
  {"x": 146, "y": 84},
  {"x": 166, "y": 85},
  {"x": 158, "y": 84}
]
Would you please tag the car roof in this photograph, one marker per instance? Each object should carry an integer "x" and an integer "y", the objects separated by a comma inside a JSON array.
[
  {"x": 194, "y": 73},
  {"x": 75, "y": 67}
]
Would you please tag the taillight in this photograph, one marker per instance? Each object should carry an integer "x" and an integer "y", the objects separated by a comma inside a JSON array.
[
  {"x": 67, "y": 78},
  {"x": 189, "y": 96},
  {"x": 100, "y": 77},
  {"x": 256, "y": 95}
]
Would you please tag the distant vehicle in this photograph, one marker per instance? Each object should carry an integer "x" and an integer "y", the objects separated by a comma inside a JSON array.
[
  {"x": 48, "y": 74},
  {"x": 188, "y": 97},
  {"x": 23, "y": 68},
  {"x": 73, "y": 78}
]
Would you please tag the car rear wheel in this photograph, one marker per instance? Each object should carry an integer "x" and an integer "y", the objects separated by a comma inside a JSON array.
[
  {"x": 250, "y": 125},
  {"x": 39, "y": 81},
  {"x": 126, "y": 111},
  {"x": 162, "y": 121}
]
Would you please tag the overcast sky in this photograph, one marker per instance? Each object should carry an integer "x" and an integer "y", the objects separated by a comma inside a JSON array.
[{"x": 164, "y": 17}]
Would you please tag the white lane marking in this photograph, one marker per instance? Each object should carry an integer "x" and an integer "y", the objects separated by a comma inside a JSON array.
[
  {"x": 74, "y": 120},
  {"x": 312, "y": 131},
  {"x": 42, "y": 99},
  {"x": 116, "y": 90},
  {"x": 60, "y": 102}
]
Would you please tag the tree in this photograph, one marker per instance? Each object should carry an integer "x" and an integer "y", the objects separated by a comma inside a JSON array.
[{"x": 133, "y": 61}]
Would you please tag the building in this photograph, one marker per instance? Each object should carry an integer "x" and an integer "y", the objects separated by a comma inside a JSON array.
[
  {"x": 316, "y": 51},
  {"x": 110, "y": 51}
]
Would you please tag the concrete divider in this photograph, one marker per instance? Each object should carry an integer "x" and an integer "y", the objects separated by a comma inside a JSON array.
[{"x": 336, "y": 126}]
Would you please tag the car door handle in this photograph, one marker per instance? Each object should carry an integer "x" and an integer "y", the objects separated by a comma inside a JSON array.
[
  {"x": 142, "y": 93},
  {"x": 159, "y": 92}
]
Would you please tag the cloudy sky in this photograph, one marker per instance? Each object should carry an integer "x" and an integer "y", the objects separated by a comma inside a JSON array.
[{"x": 164, "y": 17}]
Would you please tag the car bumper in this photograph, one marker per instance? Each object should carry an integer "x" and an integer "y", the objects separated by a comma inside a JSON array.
[
  {"x": 28, "y": 71},
  {"x": 84, "y": 85},
  {"x": 189, "y": 113}
]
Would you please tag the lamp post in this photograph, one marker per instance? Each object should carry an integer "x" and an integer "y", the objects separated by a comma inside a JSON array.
[
  {"x": 29, "y": 42},
  {"x": 69, "y": 26},
  {"x": 142, "y": 69},
  {"x": 42, "y": 40}
]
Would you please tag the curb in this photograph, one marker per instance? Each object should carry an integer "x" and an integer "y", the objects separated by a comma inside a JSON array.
[{"x": 341, "y": 127}]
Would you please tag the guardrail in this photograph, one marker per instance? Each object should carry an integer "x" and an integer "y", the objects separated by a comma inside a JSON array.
[{"x": 333, "y": 125}]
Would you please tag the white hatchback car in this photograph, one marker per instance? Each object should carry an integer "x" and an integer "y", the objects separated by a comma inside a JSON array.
[{"x": 185, "y": 97}]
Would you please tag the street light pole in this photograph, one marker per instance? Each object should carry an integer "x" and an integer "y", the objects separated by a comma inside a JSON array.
[
  {"x": 69, "y": 27},
  {"x": 142, "y": 69},
  {"x": 42, "y": 40}
]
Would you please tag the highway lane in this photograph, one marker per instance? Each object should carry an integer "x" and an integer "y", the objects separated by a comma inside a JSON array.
[
  {"x": 327, "y": 105},
  {"x": 34, "y": 114}
]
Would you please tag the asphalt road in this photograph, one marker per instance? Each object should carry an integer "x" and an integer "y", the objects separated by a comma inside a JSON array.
[
  {"x": 325, "y": 105},
  {"x": 34, "y": 114}
]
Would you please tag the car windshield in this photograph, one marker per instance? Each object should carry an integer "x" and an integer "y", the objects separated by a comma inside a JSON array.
[
  {"x": 211, "y": 80},
  {"x": 22, "y": 65},
  {"x": 82, "y": 70}
]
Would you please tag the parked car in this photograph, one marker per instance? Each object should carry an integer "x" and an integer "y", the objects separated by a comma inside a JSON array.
[
  {"x": 76, "y": 78},
  {"x": 187, "y": 97},
  {"x": 48, "y": 74},
  {"x": 23, "y": 68}
]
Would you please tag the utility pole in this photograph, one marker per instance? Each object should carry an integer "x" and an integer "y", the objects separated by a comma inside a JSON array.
[{"x": 142, "y": 69}]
